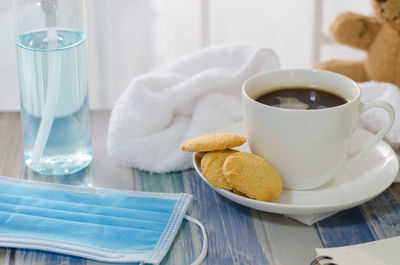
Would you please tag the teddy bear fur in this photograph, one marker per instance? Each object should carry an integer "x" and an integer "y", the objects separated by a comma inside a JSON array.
[{"x": 379, "y": 36}]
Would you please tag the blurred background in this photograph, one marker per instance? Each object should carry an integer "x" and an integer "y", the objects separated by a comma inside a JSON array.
[{"x": 126, "y": 38}]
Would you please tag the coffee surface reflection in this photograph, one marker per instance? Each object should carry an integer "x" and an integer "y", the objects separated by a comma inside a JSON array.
[{"x": 304, "y": 98}]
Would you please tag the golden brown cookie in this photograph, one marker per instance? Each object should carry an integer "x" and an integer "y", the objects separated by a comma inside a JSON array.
[
  {"x": 253, "y": 176},
  {"x": 213, "y": 142},
  {"x": 211, "y": 163}
]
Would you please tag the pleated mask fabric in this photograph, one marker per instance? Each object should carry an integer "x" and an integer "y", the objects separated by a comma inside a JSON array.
[{"x": 101, "y": 224}]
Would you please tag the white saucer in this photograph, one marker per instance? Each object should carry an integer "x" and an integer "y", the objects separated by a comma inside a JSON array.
[{"x": 358, "y": 182}]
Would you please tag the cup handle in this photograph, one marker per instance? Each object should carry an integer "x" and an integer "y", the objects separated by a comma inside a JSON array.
[{"x": 364, "y": 106}]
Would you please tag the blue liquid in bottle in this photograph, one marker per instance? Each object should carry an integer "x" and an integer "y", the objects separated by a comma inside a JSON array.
[{"x": 54, "y": 74}]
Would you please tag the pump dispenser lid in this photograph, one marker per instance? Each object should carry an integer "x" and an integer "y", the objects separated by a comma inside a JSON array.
[{"x": 50, "y": 7}]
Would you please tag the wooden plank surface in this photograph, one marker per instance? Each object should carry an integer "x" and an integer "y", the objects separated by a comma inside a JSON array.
[
  {"x": 10, "y": 144},
  {"x": 285, "y": 241},
  {"x": 237, "y": 235},
  {"x": 383, "y": 214},
  {"x": 345, "y": 228}
]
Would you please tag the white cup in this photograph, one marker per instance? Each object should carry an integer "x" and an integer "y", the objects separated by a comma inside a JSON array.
[{"x": 307, "y": 147}]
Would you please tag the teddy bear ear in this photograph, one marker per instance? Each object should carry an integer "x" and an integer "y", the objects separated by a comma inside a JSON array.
[
  {"x": 387, "y": 11},
  {"x": 376, "y": 7}
]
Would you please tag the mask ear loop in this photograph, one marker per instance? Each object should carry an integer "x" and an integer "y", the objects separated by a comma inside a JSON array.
[{"x": 203, "y": 252}]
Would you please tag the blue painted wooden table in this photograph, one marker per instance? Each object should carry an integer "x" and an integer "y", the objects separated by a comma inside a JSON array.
[{"x": 237, "y": 235}]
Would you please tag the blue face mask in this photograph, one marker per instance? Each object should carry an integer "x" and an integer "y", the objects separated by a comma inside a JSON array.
[{"x": 100, "y": 224}]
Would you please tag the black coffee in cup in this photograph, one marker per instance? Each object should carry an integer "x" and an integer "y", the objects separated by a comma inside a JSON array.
[{"x": 305, "y": 98}]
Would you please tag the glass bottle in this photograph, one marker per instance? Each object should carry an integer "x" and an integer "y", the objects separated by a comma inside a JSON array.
[{"x": 50, "y": 40}]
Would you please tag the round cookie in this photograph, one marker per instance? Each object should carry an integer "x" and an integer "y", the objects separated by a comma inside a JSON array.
[
  {"x": 213, "y": 142},
  {"x": 253, "y": 176},
  {"x": 211, "y": 163}
]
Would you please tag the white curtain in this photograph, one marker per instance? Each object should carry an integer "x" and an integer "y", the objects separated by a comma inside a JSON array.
[{"x": 126, "y": 38}]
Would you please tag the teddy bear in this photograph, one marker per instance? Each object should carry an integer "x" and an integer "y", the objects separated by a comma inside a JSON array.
[{"x": 379, "y": 36}]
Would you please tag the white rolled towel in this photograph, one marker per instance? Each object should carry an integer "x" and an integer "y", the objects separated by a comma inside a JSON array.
[{"x": 197, "y": 94}]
